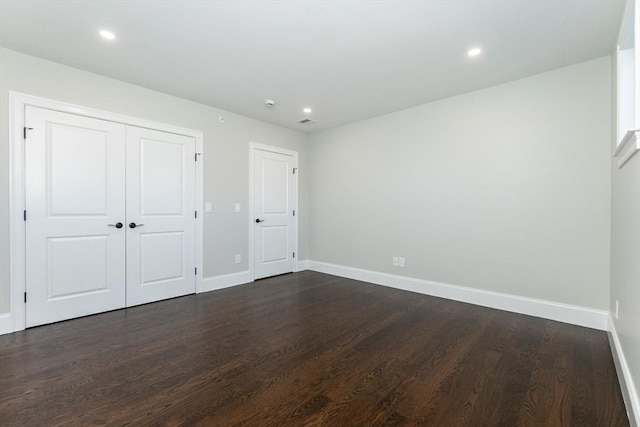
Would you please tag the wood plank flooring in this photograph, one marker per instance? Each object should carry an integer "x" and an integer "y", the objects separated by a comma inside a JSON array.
[{"x": 309, "y": 349}]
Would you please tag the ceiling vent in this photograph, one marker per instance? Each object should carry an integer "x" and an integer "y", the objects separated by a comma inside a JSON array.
[{"x": 306, "y": 121}]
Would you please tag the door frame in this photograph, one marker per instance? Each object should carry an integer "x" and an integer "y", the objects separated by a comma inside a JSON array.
[
  {"x": 253, "y": 147},
  {"x": 15, "y": 320}
]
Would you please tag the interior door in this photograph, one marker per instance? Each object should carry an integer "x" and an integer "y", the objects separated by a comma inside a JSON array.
[
  {"x": 160, "y": 215},
  {"x": 75, "y": 186},
  {"x": 273, "y": 208}
]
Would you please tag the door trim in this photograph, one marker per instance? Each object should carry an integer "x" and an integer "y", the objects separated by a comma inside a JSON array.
[
  {"x": 15, "y": 319},
  {"x": 253, "y": 146}
]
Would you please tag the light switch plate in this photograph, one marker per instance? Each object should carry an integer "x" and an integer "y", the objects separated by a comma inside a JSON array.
[
  {"x": 208, "y": 207},
  {"x": 237, "y": 207}
]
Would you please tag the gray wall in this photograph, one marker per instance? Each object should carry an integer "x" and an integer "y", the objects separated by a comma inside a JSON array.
[
  {"x": 625, "y": 260},
  {"x": 506, "y": 189},
  {"x": 226, "y": 148},
  {"x": 625, "y": 255}
]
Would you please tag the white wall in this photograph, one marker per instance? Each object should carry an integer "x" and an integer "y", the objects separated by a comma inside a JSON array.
[
  {"x": 506, "y": 189},
  {"x": 226, "y": 151}
]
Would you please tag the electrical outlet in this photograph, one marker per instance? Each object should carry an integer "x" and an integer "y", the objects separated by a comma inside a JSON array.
[
  {"x": 401, "y": 261},
  {"x": 238, "y": 258},
  {"x": 394, "y": 261},
  {"x": 617, "y": 307}
]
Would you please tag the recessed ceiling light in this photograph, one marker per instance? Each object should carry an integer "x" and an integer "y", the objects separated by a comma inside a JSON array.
[
  {"x": 474, "y": 52},
  {"x": 107, "y": 34},
  {"x": 307, "y": 110}
]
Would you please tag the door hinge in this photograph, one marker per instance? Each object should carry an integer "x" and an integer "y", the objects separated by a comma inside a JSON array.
[
  {"x": 196, "y": 156},
  {"x": 196, "y": 214},
  {"x": 24, "y": 131},
  {"x": 295, "y": 170},
  {"x": 25, "y": 297},
  {"x": 24, "y": 215},
  {"x": 294, "y": 254},
  {"x": 196, "y": 270}
]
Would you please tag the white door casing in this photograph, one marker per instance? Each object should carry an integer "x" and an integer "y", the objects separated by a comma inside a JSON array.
[
  {"x": 161, "y": 177},
  {"x": 75, "y": 184},
  {"x": 273, "y": 207}
]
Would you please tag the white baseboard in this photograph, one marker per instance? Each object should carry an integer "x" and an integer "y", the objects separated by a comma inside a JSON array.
[
  {"x": 302, "y": 265},
  {"x": 6, "y": 323},
  {"x": 208, "y": 284},
  {"x": 225, "y": 281},
  {"x": 581, "y": 316},
  {"x": 629, "y": 390},
  {"x": 591, "y": 318}
]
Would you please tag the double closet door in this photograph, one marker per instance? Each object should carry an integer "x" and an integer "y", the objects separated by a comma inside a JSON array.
[{"x": 109, "y": 215}]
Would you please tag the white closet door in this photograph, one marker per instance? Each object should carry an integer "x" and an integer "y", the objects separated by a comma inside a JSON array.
[
  {"x": 75, "y": 186},
  {"x": 160, "y": 215}
]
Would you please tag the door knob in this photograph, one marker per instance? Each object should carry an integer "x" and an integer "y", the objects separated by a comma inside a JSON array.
[
  {"x": 258, "y": 220},
  {"x": 134, "y": 225},
  {"x": 116, "y": 225}
]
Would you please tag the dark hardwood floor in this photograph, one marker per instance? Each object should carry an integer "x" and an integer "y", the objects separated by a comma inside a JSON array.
[{"x": 309, "y": 349}]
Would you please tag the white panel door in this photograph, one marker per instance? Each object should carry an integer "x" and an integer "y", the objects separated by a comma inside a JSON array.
[
  {"x": 160, "y": 215},
  {"x": 273, "y": 208},
  {"x": 75, "y": 186}
]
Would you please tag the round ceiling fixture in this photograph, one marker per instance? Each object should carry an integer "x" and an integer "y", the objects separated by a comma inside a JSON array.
[
  {"x": 269, "y": 103},
  {"x": 474, "y": 52},
  {"x": 106, "y": 34},
  {"x": 306, "y": 110}
]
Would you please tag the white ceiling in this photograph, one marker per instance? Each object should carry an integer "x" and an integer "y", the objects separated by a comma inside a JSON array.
[{"x": 347, "y": 60}]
